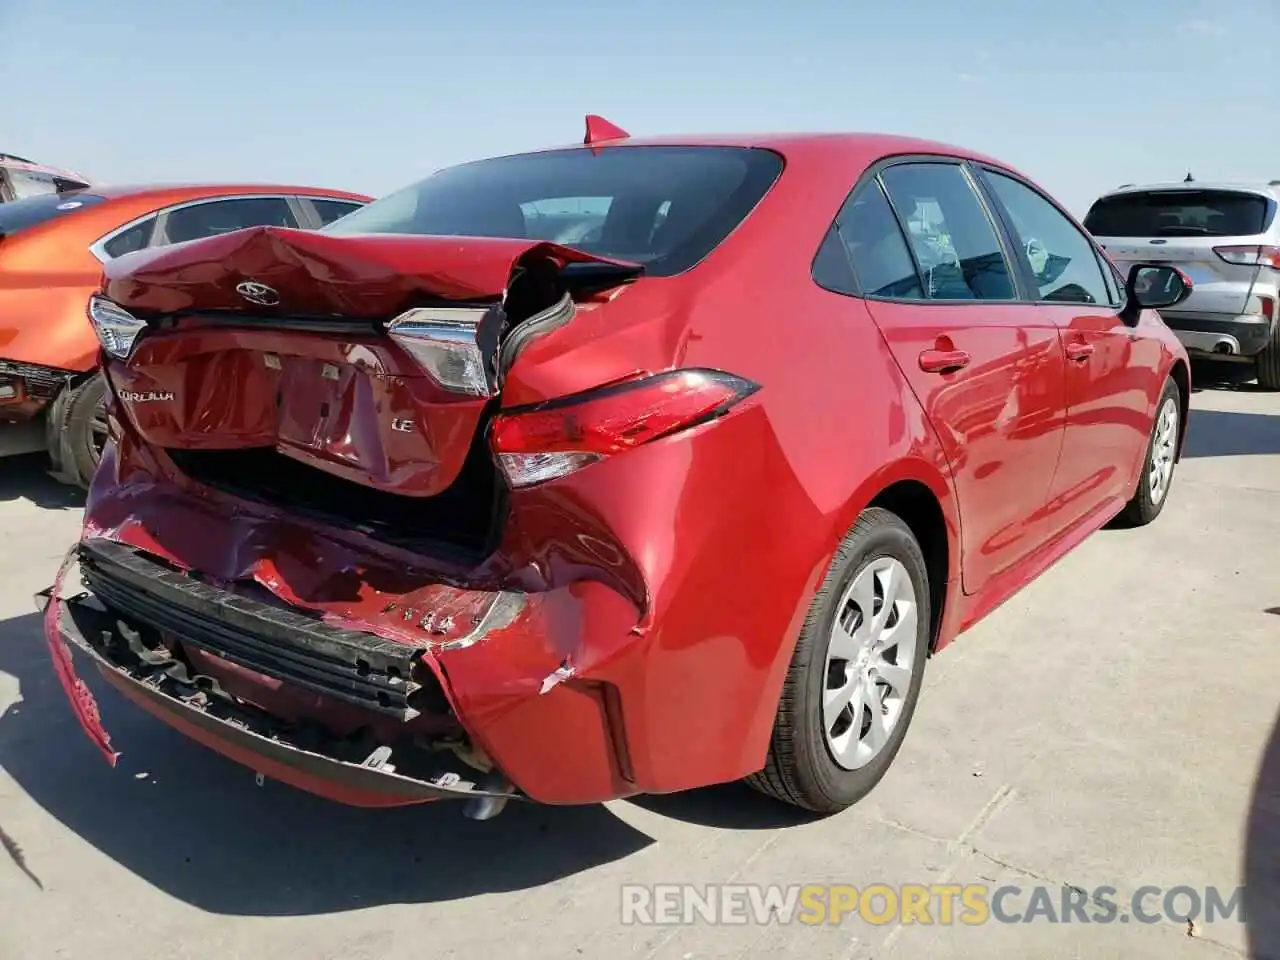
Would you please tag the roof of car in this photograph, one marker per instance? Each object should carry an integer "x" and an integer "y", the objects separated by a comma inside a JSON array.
[
  {"x": 1258, "y": 187},
  {"x": 12, "y": 161},
  {"x": 865, "y": 144},
  {"x": 195, "y": 190}
]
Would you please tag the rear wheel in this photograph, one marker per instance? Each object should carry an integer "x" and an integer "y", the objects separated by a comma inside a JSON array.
[
  {"x": 855, "y": 676},
  {"x": 1162, "y": 457},
  {"x": 1268, "y": 362},
  {"x": 85, "y": 426}
]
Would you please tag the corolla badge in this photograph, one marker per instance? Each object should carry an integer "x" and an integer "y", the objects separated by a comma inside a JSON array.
[{"x": 259, "y": 293}]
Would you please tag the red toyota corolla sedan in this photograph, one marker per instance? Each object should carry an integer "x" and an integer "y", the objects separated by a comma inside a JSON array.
[{"x": 621, "y": 468}]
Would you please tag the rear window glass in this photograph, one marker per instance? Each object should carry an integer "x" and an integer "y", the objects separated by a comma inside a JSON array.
[
  {"x": 33, "y": 211},
  {"x": 1178, "y": 213},
  {"x": 664, "y": 207}
]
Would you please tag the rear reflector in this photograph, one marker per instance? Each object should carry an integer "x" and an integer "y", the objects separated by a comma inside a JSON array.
[
  {"x": 561, "y": 436},
  {"x": 1252, "y": 255}
]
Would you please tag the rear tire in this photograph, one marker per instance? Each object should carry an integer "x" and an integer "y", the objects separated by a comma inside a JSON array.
[
  {"x": 824, "y": 755},
  {"x": 1268, "y": 362},
  {"x": 85, "y": 426},
  {"x": 1158, "y": 466}
]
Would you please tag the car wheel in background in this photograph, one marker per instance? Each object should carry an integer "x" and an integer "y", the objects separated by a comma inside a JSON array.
[
  {"x": 85, "y": 428},
  {"x": 1268, "y": 363},
  {"x": 1161, "y": 459},
  {"x": 855, "y": 676}
]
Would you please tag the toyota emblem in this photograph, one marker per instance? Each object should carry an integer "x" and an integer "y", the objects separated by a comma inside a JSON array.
[{"x": 258, "y": 293}]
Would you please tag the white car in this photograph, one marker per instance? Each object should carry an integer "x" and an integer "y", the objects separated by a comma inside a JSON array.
[{"x": 21, "y": 178}]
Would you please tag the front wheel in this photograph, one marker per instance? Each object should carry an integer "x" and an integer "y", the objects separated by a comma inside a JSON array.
[
  {"x": 855, "y": 676},
  {"x": 1158, "y": 466}
]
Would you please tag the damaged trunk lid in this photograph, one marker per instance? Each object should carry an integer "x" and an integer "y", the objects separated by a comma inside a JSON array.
[{"x": 332, "y": 371}]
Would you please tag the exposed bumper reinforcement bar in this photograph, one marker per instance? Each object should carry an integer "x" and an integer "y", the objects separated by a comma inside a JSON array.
[
  {"x": 304, "y": 756},
  {"x": 359, "y": 668}
]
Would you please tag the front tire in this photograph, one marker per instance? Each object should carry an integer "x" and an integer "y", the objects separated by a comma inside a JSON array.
[
  {"x": 1158, "y": 466},
  {"x": 855, "y": 675}
]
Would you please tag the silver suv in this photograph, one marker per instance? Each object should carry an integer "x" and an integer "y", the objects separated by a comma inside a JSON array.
[{"x": 1226, "y": 238}]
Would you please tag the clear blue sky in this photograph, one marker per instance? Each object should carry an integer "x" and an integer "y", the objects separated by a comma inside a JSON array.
[{"x": 369, "y": 95}]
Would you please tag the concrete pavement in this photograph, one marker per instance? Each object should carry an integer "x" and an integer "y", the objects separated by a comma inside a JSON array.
[{"x": 1115, "y": 725}]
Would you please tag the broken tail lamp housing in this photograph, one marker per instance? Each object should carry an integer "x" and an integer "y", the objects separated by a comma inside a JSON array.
[
  {"x": 443, "y": 342},
  {"x": 553, "y": 439},
  {"x": 116, "y": 327}
]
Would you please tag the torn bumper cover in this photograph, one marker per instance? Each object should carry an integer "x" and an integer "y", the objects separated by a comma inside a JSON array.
[
  {"x": 350, "y": 715},
  {"x": 356, "y": 769}
]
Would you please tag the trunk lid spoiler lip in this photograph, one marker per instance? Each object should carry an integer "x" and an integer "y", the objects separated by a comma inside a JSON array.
[{"x": 318, "y": 276}]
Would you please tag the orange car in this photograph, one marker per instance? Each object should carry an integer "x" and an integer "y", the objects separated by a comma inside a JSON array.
[{"x": 52, "y": 250}]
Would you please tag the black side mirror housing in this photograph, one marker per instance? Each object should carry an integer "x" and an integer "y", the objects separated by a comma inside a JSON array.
[{"x": 1153, "y": 286}]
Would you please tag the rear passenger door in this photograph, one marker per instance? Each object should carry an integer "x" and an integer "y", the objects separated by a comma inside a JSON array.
[
  {"x": 1111, "y": 370},
  {"x": 985, "y": 364}
]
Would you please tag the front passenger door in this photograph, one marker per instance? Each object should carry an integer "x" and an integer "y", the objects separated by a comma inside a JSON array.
[{"x": 1110, "y": 368}]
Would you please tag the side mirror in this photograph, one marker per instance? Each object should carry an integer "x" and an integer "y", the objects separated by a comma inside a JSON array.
[{"x": 1154, "y": 287}]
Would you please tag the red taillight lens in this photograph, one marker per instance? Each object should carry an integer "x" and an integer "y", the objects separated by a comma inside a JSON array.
[
  {"x": 556, "y": 438},
  {"x": 1251, "y": 255}
]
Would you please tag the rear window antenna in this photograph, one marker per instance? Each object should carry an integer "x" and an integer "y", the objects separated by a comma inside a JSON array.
[
  {"x": 600, "y": 130},
  {"x": 1189, "y": 178}
]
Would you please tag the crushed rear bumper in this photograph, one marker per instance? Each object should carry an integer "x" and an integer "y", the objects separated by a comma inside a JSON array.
[{"x": 353, "y": 769}]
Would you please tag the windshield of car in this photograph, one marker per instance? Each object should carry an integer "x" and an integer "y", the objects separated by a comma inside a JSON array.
[
  {"x": 1179, "y": 213},
  {"x": 33, "y": 211},
  {"x": 664, "y": 207}
]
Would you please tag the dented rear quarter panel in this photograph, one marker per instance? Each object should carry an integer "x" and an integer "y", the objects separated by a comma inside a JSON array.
[{"x": 734, "y": 525}]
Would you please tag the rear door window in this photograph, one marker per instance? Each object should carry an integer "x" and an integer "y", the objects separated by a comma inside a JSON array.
[
  {"x": 1179, "y": 213},
  {"x": 868, "y": 231},
  {"x": 33, "y": 211},
  {"x": 664, "y": 207},
  {"x": 950, "y": 233},
  {"x": 214, "y": 217}
]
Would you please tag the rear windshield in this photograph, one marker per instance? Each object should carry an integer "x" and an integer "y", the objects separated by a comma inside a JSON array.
[
  {"x": 664, "y": 207},
  {"x": 1178, "y": 213},
  {"x": 33, "y": 211}
]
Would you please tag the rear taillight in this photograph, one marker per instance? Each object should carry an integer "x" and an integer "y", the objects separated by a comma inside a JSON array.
[
  {"x": 1252, "y": 255},
  {"x": 115, "y": 326},
  {"x": 558, "y": 437},
  {"x": 443, "y": 342}
]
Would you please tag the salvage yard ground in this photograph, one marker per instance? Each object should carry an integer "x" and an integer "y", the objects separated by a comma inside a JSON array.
[{"x": 1116, "y": 724}]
